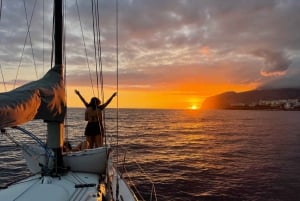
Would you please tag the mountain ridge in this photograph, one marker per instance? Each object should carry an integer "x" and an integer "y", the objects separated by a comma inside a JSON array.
[{"x": 227, "y": 99}]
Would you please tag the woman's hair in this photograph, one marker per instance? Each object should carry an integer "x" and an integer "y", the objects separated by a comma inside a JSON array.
[{"x": 94, "y": 103}]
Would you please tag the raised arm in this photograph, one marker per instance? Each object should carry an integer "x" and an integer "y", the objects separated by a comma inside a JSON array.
[
  {"x": 108, "y": 101},
  {"x": 81, "y": 98}
]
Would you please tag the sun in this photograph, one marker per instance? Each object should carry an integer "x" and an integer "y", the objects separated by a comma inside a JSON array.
[{"x": 194, "y": 107}]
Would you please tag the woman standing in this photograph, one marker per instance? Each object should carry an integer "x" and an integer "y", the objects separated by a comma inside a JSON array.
[{"x": 94, "y": 130}]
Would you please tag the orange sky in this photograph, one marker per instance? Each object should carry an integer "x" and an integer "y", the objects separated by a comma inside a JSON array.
[
  {"x": 180, "y": 96},
  {"x": 171, "y": 54}
]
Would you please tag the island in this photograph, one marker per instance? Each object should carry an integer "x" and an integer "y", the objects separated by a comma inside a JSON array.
[{"x": 261, "y": 99}]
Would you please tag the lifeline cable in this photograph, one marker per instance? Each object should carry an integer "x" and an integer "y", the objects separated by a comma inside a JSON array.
[
  {"x": 117, "y": 63},
  {"x": 35, "y": 138}
]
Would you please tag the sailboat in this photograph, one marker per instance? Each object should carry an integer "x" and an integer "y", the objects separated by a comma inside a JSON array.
[{"x": 87, "y": 175}]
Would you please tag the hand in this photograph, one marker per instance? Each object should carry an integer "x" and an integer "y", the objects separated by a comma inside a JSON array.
[
  {"x": 114, "y": 94},
  {"x": 76, "y": 91}
]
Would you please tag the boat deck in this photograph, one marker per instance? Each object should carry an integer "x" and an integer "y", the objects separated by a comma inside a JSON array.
[{"x": 70, "y": 187}]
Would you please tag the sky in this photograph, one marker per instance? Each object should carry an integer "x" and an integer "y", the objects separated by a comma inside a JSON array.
[{"x": 171, "y": 53}]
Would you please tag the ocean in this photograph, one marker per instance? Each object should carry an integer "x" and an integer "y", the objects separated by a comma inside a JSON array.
[{"x": 191, "y": 155}]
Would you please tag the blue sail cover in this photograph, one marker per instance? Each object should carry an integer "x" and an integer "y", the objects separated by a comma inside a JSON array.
[{"x": 40, "y": 99}]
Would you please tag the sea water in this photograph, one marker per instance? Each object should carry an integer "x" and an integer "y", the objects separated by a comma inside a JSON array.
[{"x": 191, "y": 155}]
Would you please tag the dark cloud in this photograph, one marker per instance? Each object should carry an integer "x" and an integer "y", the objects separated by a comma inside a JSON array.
[
  {"x": 275, "y": 62},
  {"x": 292, "y": 81},
  {"x": 159, "y": 38}
]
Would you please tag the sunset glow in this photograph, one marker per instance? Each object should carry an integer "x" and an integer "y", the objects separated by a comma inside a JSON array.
[
  {"x": 167, "y": 57},
  {"x": 194, "y": 107}
]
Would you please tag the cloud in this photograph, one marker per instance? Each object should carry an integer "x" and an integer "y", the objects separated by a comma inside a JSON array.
[
  {"x": 291, "y": 81},
  {"x": 275, "y": 62},
  {"x": 161, "y": 42}
]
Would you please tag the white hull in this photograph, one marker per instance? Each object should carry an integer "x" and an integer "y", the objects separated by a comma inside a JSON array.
[{"x": 89, "y": 160}]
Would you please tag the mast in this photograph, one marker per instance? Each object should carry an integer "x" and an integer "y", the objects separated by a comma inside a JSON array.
[
  {"x": 55, "y": 128},
  {"x": 58, "y": 31}
]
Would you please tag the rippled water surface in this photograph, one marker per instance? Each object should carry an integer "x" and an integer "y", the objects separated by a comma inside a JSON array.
[{"x": 193, "y": 155}]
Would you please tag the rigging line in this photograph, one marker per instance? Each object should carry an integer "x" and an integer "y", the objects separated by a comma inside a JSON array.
[
  {"x": 43, "y": 37},
  {"x": 26, "y": 148},
  {"x": 65, "y": 66},
  {"x": 95, "y": 36},
  {"x": 97, "y": 43},
  {"x": 97, "y": 46},
  {"x": 100, "y": 50},
  {"x": 28, "y": 25},
  {"x": 97, "y": 54},
  {"x": 144, "y": 174},
  {"x": 117, "y": 63},
  {"x": 24, "y": 45},
  {"x": 85, "y": 49},
  {"x": 99, "y": 75},
  {"x": 3, "y": 78},
  {"x": 36, "y": 139},
  {"x": 0, "y": 9},
  {"x": 53, "y": 39},
  {"x": 64, "y": 34},
  {"x": 136, "y": 191},
  {"x": 95, "y": 49}
]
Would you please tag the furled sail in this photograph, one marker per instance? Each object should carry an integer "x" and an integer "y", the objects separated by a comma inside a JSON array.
[{"x": 40, "y": 99}]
